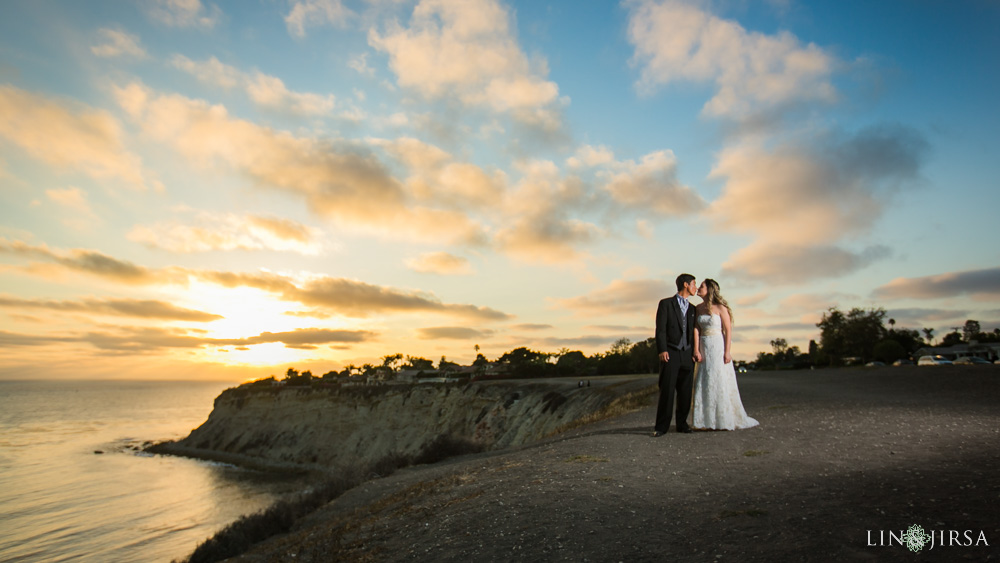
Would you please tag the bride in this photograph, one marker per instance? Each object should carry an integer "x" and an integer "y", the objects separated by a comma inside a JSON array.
[{"x": 717, "y": 404}]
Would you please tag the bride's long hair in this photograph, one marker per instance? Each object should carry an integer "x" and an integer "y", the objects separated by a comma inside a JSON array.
[{"x": 713, "y": 296}]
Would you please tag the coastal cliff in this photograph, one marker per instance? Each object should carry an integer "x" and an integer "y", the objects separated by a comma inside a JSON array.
[{"x": 326, "y": 429}]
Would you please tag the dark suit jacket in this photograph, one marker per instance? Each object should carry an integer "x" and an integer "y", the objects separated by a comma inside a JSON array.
[{"x": 669, "y": 323}]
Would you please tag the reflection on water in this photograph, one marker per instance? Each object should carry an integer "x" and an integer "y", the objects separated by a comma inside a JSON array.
[{"x": 61, "y": 501}]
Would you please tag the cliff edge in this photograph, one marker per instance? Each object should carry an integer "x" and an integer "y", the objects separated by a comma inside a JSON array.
[{"x": 330, "y": 429}]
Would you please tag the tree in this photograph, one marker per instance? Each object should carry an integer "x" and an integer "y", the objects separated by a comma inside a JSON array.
[
  {"x": 779, "y": 345},
  {"x": 929, "y": 335},
  {"x": 643, "y": 357},
  {"x": 413, "y": 362},
  {"x": 525, "y": 362},
  {"x": 571, "y": 363},
  {"x": 952, "y": 338},
  {"x": 889, "y": 350},
  {"x": 892, "y": 324},
  {"x": 852, "y": 335},
  {"x": 392, "y": 361},
  {"x": 971, "y": 330}
]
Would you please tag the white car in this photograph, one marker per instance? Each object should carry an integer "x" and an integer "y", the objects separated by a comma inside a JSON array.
[{"x": 933, "y": 361}]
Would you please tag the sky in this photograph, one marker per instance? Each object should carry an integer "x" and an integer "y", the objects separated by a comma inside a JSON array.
[{"x": 195, "y": 189}]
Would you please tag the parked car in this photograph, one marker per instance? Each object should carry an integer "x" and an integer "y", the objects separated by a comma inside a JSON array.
[
  {"x": 972, "y": 361},
  {"x": 903, "y": 362},
  {"x": 933, "y": 361},
  {"x": 875, "y": 364}
]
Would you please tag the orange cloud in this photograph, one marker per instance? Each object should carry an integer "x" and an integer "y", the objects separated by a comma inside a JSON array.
[
  {"x": 452, "y": 333},
  {"x": 143, "y": 308},
  {"x": 70, "y": 136},
  {"x": 230, "y": 232},
  {"x": 441, "y": 263},
  {"x": 338, "y": 180}
]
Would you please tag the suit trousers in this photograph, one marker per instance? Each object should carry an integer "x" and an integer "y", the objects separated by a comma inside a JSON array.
[{"x": 676, "y": 381}]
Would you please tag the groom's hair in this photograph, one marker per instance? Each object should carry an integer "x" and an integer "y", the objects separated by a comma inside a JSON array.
[{"x": 683, "y": 280}]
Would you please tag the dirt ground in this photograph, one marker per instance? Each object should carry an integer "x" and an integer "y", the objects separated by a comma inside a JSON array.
[{"x": 841, "y": 458}]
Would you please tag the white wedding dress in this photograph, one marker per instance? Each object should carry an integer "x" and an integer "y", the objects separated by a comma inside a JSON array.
[{"x": 717, "y": 403}]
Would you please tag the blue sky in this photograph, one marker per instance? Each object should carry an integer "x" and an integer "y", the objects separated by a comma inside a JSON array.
[{"x": 227, "y": 189}]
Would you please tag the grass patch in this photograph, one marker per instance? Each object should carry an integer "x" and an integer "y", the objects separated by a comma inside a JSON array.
[
  {"x": 586, "y": 459},
  {"x": 753, "y": 513},
  {"x": 755, "y": 453}
]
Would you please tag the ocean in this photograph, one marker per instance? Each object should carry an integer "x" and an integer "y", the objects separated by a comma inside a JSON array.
[{"x": 75, "y": 485}]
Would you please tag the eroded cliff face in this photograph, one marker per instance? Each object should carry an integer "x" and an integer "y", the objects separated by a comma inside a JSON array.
[{"x": 331, "y": 428}]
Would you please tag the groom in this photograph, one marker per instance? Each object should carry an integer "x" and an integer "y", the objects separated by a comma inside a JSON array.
[{"x": 675, "y": 343}]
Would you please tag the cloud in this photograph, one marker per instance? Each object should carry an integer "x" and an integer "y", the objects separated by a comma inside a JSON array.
[
  {"x": 355, "y": 298},
  {"x": 919, "y": 317},
  {"x": 338, "y": 180},
  {"x": 677, "y": 41},
  {"x": 983, "y": 284},
  {"x": 806, "y": 193},
  {"x": 230, "y": 232},
  {"x": 268, "y": 92},
  {"x": 360, "y": 64},
  {"x": 815, "y": 188},
  {"x": 118, "y": 43},
  {"x": 10, "y": 339},
  {"x": 441, "y": 263},
  {"x": 149, "y": 309},
  {"x": 65, "y": 136},
  {"x": 87, "y": 261},
  {"x": 618, "y": 328},
  {"x": 74, "y": 200},
  {"x": 620, "y": 296},
  {"x": 340, "y": 296},
  {"x": 436, "y": 176},
  {"x": 151, "y": 339},
  {"x": 537, "y": 221},
  {"x": 793, "y": 264},
  {"x": 652, "y": 185},
  {"x": 813, "y": 303},
  {"x": 350, "y": 298},
  {"x": 466, "y": 49},
  {"x": 315, "y": 13},
  {"x": 588, "y": 157},
  {"x": 452, "y": 333},
  {"x": 751, "y": 300},
  {"x": 183, "y": 13},
  {"x": 211, "y": 71},
  {"x": 531, "y": 327}
]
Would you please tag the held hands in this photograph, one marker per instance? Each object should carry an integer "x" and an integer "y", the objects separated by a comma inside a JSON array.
[{"x": 697, "y": 357}]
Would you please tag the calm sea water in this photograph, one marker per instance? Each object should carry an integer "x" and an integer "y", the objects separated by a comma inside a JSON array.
[{"x": 61, "y": 501}]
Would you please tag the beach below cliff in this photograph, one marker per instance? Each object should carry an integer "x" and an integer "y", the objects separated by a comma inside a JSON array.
[{"x": 843, "y": 463}]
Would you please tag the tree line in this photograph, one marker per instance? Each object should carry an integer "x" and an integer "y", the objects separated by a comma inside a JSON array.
[
  {"x": 861, "y": 336},
  {"x": 856, "y": 336}
]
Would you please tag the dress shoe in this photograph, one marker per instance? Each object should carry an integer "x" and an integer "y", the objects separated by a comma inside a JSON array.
[
  {"x": 657, "y": 433},
  {"x": 685, "y": 430}
]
